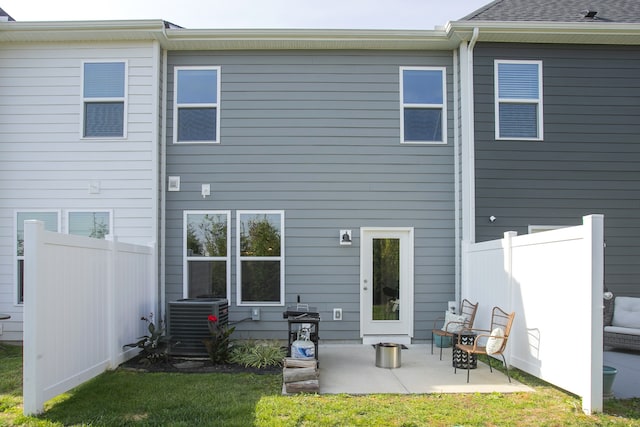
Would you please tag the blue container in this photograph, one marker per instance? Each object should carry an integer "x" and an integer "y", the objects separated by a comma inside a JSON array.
[
  {"x": 608, "y": 375},
  {"x": 443, "y": 342}
]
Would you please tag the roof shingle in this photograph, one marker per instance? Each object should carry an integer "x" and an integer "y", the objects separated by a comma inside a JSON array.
[
  {"x": 620, "y": 11},
  {"x": 5, "y": 14}
]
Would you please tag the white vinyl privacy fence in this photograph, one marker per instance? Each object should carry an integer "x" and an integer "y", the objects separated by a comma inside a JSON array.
[
  {"x": 83, "y": 301},
  {"x": 554, "y": 283}
]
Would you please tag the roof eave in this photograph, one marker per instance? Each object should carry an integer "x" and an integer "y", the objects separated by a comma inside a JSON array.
[
  {"x": 548, "y": 32},
  {"x": 173, "y": 38},
  {"x": 308, "y": 39},
  {"x": 81, "y": 31}
]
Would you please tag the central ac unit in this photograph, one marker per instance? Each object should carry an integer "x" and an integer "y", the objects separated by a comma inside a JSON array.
[{"x": 188, "y": 323}]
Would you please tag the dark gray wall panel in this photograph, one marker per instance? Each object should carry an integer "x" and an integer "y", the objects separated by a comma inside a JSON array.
[{"x": 589, "y": 161}]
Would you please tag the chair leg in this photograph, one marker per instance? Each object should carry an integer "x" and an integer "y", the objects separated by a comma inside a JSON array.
[
  {"x": 455, "y": 368},
  {"x": 441, "y": 350},
  {"x": 468, "y": 365},
  {"x": 489, "y": 361},
  {"x": 506, "y": 367},
  {"x": 432, "y": 338}
]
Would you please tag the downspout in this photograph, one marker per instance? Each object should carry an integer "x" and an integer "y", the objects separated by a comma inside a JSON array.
[
  {"x": 471, "y": 137},
  {"x": 157, "y": 186},
  {"x": 456, "y": 171},
  {"x": 163, "y": 185},
  {"x": 467, "y": 170}
]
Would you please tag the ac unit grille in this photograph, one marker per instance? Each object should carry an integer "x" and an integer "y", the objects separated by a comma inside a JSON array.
[{"x": 188, "y": 323}]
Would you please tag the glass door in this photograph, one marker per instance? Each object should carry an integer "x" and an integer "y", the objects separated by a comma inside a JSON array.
[{"x": 386, "y": 276}]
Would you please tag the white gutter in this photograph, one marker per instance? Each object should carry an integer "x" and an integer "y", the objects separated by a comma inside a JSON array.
[
  {"x": 597, "y": 32},
  {"x": 175, "y": 38}
]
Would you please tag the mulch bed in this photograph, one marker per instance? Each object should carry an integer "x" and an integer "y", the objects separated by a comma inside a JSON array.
[{"x": 192, "y": 366}]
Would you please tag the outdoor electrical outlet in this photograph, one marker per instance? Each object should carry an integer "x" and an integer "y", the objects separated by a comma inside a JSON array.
[
  {"x": 255, "y": 313},
  {"x": 0, "y": 328},
  {"x": 337, "y": 314}
]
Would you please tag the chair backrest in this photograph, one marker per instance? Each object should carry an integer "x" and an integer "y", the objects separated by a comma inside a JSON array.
[
  {"x": 468, "y": 310},
  {"x": 608, "y": 311},
  {"x": 503, "y": 320}
]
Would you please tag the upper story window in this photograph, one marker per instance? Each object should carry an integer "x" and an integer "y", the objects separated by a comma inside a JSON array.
[
  {"x": 261, "y": 257},
  {"x": 423, "y": 103},
  {"x": 104, "y": 95},
  {"x": 206, "y": 254},
  {"x": 518, "y": 100},
  {"x": 196, "y": 115},
  {"x": 51, "y": 220}
]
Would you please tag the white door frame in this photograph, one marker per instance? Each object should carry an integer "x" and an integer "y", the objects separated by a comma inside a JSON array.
[{"x": 399, "y": 331}]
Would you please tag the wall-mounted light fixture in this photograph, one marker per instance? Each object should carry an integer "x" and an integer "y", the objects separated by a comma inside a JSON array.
[
  {"x": 174, "y": 183},
  {"x": 94, "y": 187},
  {"x": 206, "y": 190},
  {"x": 345, "y": 238}
]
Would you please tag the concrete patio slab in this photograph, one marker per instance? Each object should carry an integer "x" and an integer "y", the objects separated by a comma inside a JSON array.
[
  {"x": 351, "y": 369},
  {"x": 627, "y": 382}
]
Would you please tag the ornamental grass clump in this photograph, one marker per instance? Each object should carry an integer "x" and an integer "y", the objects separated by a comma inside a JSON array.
[
  {"x": 219, "y": 345},
  {"x": 258, "y": 354}
]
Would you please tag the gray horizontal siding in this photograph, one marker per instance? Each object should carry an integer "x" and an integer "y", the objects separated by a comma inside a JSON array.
[
  {"x": 317, "y": 134},
  {"x": 589, "y": 159}
]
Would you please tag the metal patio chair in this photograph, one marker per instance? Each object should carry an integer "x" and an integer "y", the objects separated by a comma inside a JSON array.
[
  {"x": 468, "y": 310},
  {"x": 494, "y": 339}
]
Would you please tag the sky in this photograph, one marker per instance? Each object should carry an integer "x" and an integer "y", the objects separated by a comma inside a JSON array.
[{"x": 212, "y": 14}]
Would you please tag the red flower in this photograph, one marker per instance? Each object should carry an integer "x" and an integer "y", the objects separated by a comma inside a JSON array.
[{"x": 212, "y": 318}]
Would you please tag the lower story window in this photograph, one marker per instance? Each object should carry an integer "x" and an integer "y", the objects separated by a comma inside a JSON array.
[
  {"x": 206, "y": 254},
  {"x": 51, "y": 220},
  {"x": 94, "y": 224},
  {"x": 260, "y": 269}
]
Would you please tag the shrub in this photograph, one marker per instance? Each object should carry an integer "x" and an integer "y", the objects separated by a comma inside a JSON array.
[
  {"x": 219, "y": 345},
  {"x": 154, "y": 346}
]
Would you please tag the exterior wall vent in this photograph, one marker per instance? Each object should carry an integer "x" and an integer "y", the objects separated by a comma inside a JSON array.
[{"x": 188, "y": 324}]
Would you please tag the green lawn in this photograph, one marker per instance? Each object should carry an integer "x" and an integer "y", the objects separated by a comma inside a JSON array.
[{"x": 125, "y": 398}]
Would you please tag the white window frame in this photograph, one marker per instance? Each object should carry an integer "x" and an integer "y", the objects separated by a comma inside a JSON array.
[
  {"x": 186, "y": 258},
  {"x": 122, "y": 99},
  {"x": 532, "y": 101},
  {"x": 442, "y": 106},
  {"x": 239, "y": 301},
  {"x": 541, "y": 228},
  {"x": 18, "y": 258},
  {"x": 177, "y": 106},
  {"x": 69, "y": 213}
]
